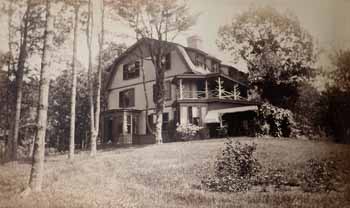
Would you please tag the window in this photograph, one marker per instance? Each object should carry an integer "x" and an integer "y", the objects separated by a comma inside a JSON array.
[
  {"x": 167, "y": 91},
  {"x": 215, "y": 67},
  {"x": 165, "y": 124},
  {"x": 128, "y": 124},
  {"x": 131, "y": 71},
  {"x": 194, "y": 115},
  {"x": 127, "y": 98},
  {"x": 167, "y": 61}
]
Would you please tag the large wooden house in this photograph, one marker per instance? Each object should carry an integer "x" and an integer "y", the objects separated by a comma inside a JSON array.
[{"x": 199, "y": 89}]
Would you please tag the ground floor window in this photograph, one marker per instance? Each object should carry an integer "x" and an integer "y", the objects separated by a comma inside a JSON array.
[{"x": 193, "y": 113}]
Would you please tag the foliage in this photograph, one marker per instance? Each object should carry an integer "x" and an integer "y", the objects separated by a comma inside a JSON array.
[
  {"x": 235, "y": 168},
  {"x": 187, "y": 132},
  {"x": 319, "y": 175},
  {"x": 59, "y": 111},
  {"x": 274, "y": 121},
  {"x": 334, "y": 102},
  {"x": 334, "y": 116},
  {"x": 279, "y": 53},
  {"x": 341, "y": 74},
  {"x": 307, "y": 110}
]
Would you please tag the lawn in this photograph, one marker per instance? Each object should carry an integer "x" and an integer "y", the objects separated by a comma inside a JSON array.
[{"x": 169, "y": 175}]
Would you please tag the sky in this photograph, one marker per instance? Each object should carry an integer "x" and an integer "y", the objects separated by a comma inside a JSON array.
[{"x": 328, "y": 21}]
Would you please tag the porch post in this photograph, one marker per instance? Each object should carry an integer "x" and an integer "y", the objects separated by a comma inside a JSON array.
[
  {"x": 206, "y": 89},
  {"x": 220, "y": 118},
  {"x": 125, "y": 123},
  {"x": 180, "y": 86},
  {"x": 131, "y": 127},
  {"x": 219, "y": 83},
  {"x": 235, "y": 92}
]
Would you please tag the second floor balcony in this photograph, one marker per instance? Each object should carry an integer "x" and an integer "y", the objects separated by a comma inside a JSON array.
[{"x": 210, "y": 87}]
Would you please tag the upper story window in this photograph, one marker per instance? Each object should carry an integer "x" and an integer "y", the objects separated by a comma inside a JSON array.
[
  {"x": 167, "y": 61},
  {"x": 215, "y": 66},
  {"x": 131, "y": 71},
  {"x": 167, "y": 91},
  {"x": 127, "y": 98}
]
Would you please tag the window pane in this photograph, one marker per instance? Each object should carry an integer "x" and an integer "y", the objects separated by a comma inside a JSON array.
[
  {"x": 127, "y": 98},
  {"x": 131, "y": 71}
]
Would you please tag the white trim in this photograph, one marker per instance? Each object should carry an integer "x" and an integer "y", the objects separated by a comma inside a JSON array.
[{"x": 214, "y": 116}]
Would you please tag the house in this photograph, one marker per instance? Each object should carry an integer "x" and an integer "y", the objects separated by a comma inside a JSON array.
[{"x": 199, "y": 89}]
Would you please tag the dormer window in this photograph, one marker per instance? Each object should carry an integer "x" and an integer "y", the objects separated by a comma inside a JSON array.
[{"x": 131, "y": 71}]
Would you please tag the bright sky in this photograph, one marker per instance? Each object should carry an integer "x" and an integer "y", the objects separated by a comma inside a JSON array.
[{"x": 327, "y": 20}]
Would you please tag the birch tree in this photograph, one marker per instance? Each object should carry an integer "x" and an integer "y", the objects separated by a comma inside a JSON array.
[
  {"x": 94, "y": 115},
  {"x": 37, "y": 170},
  {"x": 76, "y": 5}
]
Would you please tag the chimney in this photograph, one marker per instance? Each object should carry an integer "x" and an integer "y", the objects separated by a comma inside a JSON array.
[{"x": 195, "y": 42}]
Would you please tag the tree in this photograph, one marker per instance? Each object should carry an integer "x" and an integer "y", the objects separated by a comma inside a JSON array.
[
  {"x": 334, "y": 115},
  {"x": 23, "y": 54},
  {"x": 157, "y": 22},
  {"x": 94, "y": 115},
  {"x": 59, "y": 110},
  {"x": 76, "y": 5},
  {"x": 279, "y": 53},
  {"x": 341, "y": 74},
  {"x": 37, "y": 170}
]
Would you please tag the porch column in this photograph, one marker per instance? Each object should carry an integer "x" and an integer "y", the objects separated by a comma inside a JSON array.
[
  {"x": 181, "y": 89},
  {"x": 131, "y": 127},
  {"x": 220, "y": 118},
  {"x": 220, "y": 87},
  {"x": 125, "y": 123},
  {"x": 206, "y": 89},
  {"x": 235, "y": 92}
]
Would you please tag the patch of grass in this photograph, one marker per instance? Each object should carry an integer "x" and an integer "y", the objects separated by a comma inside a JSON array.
[{"x": 168, "y": 175}]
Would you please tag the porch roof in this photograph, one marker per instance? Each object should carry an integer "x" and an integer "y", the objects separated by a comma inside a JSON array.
[{"x": 214, "y": 116}]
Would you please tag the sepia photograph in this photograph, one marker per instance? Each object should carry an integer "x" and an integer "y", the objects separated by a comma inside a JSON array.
[{"x": 174, "y": 103}]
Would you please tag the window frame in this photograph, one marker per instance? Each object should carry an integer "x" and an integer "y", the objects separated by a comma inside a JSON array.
[
  {"x": 126, "y": 70},
  {"x": 122, "y": 103}
]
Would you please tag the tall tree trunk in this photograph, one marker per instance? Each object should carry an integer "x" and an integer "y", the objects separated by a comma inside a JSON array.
[
  {"x": 89, "y": 33},
  {"x": 74, "y": 83},
  {"x": 19, "y": 84},
  {"x": 37, "y": 171},
  {"x": 99, "y": 75},
  {"x": 159, "y": 101},
  {"x": 148, "y": 126},
  {"x": 8, "y": 150}
]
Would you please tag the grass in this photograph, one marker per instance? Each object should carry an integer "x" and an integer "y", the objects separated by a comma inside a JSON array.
[{"x": 169, "y": 175}]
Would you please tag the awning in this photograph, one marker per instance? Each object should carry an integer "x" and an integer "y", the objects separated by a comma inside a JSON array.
[{"x": 214, "y": 116}]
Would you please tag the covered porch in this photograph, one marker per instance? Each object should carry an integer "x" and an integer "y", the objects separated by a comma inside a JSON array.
[
  {"x": 211, "y": 86},
  {"x": 120, "y": 126}
]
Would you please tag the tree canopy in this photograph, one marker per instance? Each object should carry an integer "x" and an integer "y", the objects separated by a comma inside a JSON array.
[{"x": 279, "y": 53}]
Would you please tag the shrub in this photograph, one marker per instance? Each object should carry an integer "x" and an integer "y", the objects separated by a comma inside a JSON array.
[
  {"x": 274, "y": 121},
  {"x": 234, "y": 168},
  {"x": 319, "y": 175},
  {"x": 187, "y": 132}
]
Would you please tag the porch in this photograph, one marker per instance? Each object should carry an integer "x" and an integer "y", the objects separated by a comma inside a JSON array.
[{"x": 213, "y": 86}]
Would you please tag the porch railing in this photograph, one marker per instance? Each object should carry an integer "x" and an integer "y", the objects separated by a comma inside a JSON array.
[{"x": 195, "y": 95}]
